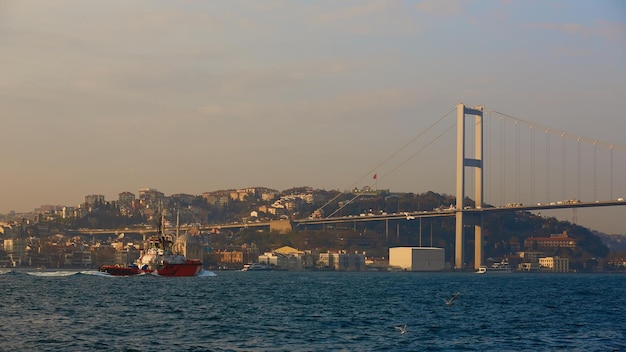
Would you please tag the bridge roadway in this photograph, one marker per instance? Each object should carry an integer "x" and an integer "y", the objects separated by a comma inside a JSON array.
[
  {"x": 362, "y": 218},
  {"x": 452, "y": 211}
]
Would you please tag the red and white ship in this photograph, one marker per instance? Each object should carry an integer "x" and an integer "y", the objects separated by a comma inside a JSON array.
[{"x": 158, "y": 258}]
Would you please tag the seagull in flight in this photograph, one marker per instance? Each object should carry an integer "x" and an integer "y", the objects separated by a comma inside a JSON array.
[
  {"x": 450, "y": 302},
  {"x": 402, "y": 329}
]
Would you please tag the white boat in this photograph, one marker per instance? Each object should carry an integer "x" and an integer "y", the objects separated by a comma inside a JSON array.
[
  {"x": 256, "y": 267},
  {"x": 500, "y": 267}
]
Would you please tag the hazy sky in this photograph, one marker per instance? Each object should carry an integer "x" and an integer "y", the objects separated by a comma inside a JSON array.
[{"x": 100, "y": 97}]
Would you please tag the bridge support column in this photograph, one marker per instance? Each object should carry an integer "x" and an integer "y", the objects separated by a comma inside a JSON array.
[
  {"x": 462, "y": 162},
  {"x": 458, "y": 243},
  {"x": 478, "y": 246}
]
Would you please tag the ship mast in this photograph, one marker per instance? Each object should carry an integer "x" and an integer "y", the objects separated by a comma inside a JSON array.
[{"x": 177, "y": 223}]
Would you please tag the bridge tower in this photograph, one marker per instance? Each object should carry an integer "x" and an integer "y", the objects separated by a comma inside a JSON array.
[{"x": 461, "y": 163}]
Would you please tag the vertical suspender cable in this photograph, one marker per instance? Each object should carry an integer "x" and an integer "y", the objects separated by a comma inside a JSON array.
[
  {"x": 487, "y": 151},
  {"x": 563, "y": 166},
  {"x": 611, "y": 172},
  {"x": 502, "y": 163},
  {"x": 578, "y": 170},
  {"x": 548, "y": 164},
  {"x": 517, "y": 161},
  {"x": 595, "y": 171},
  {"x": 532, "y": 164}
]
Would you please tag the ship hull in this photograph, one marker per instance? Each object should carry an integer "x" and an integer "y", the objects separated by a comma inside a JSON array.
[
  {"x": 117, "y": 270},
  {"x": 188, "y": 268}
]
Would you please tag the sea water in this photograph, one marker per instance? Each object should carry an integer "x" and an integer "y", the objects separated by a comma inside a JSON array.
[{"x": 311, "y": 311}]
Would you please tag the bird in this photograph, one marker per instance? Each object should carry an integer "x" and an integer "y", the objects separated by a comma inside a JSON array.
[
  {"x": 450, "y": 302},
  {"x": 402, "y": 329},
  {"x": 409, "y": 217}
]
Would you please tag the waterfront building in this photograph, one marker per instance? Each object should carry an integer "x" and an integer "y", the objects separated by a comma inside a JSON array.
[
  {"x": 77, "y": 259},
  {"x": 230, "y": 259},
  {"x": 417, "y": 258},
  {"x": 531, "y": 257},
  {"x": 528, "y": 266},
  {"x": 555, "y": 264},
  {"x": 272, "y": 259},
  {"x": 341, "y": 261},
  {"x": 126, "y": 256}
]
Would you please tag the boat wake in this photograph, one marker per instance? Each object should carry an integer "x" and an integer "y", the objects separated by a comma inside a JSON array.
[
  {"x": 66, "y": 273},
  {"x": 202, "y": 273},
  {"x": 206, "y": 273},
  {"x": 52, "y": 273},
  {"x": 94, "y": 273}
]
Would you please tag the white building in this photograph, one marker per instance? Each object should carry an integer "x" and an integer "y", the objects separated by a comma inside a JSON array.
[
  {"x": 342, "y": 261},
  {"x": 555, "y": 264},
  {"x": 417, "y": 258}
]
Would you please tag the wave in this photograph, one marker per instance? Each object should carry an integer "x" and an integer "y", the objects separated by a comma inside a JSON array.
[
  {"x": 59, "y": 273},
  {"x": 49, "y": 273},
  {"x": 94, "y": 273},
  {"x": 206, "y": 273},
  {"x": 65, "y": 273}
]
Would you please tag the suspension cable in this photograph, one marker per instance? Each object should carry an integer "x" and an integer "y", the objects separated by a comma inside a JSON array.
[
  {"x": 502, "y": 164},
  {"x": 595, "y": 171},
  {"x": 548, "y": 164},
  {"x": 386, "y": 160},
  {"x": 398, "y": 166},
  {"x": 562, "y": 166},
  {"x": 532, "y": 164},
  {"x": 563, "y": 133},
  {"x": 611, "y": 173},
  {"x": 579, "y": 172},
  {"x": 517, "y": 164}
]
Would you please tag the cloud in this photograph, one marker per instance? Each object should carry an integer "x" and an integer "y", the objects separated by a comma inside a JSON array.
[
  {"x": 211, "y": 110},
  {"x": 364, "y": 9},
  {"x": 611, "y": 30},
  {"x": 366, "y": 18},
  {"x": 440, "y": 7}
]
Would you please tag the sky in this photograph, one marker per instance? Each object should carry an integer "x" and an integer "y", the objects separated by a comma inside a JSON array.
[{"x": 102, "y": 97}]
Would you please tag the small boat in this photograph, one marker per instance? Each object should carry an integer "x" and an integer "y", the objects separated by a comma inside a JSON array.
[
  {"x": 481, "y": 269},
  {"x": 256, "y": 267},
  {"x": 500, "y": 267}
]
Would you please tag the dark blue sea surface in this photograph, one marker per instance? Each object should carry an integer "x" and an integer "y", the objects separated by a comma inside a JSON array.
[{"x": 312, "y": 311}]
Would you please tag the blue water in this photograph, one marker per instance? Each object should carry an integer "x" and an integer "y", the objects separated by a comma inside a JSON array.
[{"x": 312, "y": 311}]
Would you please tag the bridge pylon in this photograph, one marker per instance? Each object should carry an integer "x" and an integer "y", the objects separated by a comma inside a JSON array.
[{"x": 461, "y": 163}]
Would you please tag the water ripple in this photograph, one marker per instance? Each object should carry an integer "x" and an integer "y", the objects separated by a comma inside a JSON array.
[{"x": 312, "y": 311}]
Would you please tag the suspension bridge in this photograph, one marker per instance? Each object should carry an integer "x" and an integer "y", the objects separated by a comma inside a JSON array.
[
  {"x": 517, "y": 166},
  {"x": 526, "y": 167}
]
